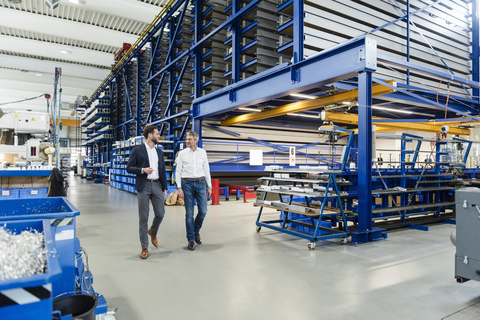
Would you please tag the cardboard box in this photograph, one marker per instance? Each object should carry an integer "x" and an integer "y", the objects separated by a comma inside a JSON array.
[
  {"x": 38, "y": 182},
  {"x": 20, "y": 182}
]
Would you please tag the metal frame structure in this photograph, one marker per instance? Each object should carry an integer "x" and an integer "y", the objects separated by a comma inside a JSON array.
[{"x": 356, "y": 59}]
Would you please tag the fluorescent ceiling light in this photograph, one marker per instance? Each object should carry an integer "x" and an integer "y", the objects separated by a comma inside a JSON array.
[
  {"x": 39, "y": 74},
  {"x": 305, "y": 96},
  {"x": 392, "y": 110},
  {"x": 304, "y": 115},
  {"x": 402, "y": 111},
  {"x": 64, "y": 51},
  {"x": 250, "y": 109}
]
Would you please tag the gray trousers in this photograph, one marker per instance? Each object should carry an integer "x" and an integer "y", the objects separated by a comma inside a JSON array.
[{"x": 152, "y": 191}]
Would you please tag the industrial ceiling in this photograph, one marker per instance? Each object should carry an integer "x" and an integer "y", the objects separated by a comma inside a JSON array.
[{"x": 79, "y": 36}]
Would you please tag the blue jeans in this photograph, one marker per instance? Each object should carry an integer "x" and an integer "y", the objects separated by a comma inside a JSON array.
[{"x": 194, "y": 190}]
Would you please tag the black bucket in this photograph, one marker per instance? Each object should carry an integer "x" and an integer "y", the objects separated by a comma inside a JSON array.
[{"x": 80, "y": 306}]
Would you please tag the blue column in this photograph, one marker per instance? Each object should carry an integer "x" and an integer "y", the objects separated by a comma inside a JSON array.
[
  {"x": 197, "y": 127},
  {"x": 475, "y": 48},
  {"x": 235, "y": 43},
  {"x": 364, "y": 152},
  {"x": 198, "y": 50},
  {"x": 408, "y": 40},
  {"x": 298, "y": 17},
  {"x": 137, "y": 94}
]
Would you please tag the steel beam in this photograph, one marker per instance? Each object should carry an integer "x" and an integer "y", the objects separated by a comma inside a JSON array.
[
  {"x": 437, "y": 74},
  {"x": 350, "y": 118},
  {"x": 339, "y": 63},
  {"x": 304, "y": 105},
  {"x": 430, "y": 102}
]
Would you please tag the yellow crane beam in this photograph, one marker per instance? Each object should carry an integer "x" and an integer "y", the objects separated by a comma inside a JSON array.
[
  {"x": 349, "y": 118},
  {"x": 69, "y": 122},
  {"x": 349, "y": 95}
]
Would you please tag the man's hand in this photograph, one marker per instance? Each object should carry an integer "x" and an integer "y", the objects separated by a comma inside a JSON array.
[
  {"x": 180, "y": 193},
  {"x": 147, "y": 170},
  {"x": 209, "y": 192},
  {"x": 164, "y": 194}
]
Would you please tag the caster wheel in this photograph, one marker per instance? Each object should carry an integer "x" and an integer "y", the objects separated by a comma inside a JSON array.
[
  {"x": 311, "y": 245},
  {"x": 343, "y": 241},
  {"x": 259, "y": 228}
]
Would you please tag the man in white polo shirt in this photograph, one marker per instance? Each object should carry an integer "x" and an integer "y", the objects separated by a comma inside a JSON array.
[{"x": 193, "y": 178}]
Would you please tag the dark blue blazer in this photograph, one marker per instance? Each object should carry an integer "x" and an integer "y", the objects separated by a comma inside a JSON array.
[{"x": 138, "y": 160}]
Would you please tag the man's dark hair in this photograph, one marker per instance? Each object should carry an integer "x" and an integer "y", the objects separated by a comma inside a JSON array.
[{"x": 148, "y": 129}]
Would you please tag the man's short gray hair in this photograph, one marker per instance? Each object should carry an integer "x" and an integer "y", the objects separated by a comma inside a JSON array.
[{"x": 193, "y": 134}]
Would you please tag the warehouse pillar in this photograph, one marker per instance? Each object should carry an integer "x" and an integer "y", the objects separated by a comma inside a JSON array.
[
  {"x": 475, "y": 48},
  {"x": 365, "y": 232}
]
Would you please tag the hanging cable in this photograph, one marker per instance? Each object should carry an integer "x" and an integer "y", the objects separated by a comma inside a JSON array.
[{"x": 23, "y": 100}]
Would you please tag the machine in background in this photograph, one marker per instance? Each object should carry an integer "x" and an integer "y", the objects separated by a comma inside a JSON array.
[{"x": 467, "y": 257}]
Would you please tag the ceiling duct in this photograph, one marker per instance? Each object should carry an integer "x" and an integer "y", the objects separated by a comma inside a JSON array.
[
  {"x": 80, "y": 102},
  {"x": 67, "y": 106},
  {"x": 52, "y": 4}
]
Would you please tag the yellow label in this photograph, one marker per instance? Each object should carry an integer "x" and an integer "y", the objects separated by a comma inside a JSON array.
[
  {"x": 33, "y": 119},
  {"x": 15, "y": 115}
]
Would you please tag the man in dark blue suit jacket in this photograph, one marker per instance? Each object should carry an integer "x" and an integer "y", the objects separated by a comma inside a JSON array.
[{"x": 147, "y": 162}]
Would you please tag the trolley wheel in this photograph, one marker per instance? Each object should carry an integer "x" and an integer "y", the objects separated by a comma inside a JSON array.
[
  {"x": 311, "y": 245},
  {"x": 259, "y": 228},
  {"x": 343, "y": 241}
]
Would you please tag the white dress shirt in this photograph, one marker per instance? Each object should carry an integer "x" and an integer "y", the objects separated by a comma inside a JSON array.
[
  {"x": 153, "y": 161},
  {"x": 193, "y": 164}
]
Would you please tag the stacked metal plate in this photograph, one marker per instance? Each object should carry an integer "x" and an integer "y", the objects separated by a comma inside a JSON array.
[{"x": 439, "y": 35}]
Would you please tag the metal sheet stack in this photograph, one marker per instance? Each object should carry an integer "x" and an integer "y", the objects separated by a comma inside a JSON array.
[
  {"x": 212, "y": 64},
  {"x": 439, "y": 34},
  {"x": 259, "y": 40}
]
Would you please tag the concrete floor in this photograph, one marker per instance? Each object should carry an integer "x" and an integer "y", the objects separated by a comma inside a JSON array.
[{"x": 240, "y": 274}]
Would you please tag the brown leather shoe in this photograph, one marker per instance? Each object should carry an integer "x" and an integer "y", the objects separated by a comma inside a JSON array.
[
  {"x": 154, "y": 239},
  {"x": 144, "y": 254}
]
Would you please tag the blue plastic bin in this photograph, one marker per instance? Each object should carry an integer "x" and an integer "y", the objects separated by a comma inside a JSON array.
[
  {"x": 9, "y": 193},
  {"x": 33, "y": 193},
  {"x": 30, "y": 297},
  {"x": 61, "y": 214}
]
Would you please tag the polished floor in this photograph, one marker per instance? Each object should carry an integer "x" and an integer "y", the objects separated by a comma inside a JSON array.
[{"x": 241, "y": 274}]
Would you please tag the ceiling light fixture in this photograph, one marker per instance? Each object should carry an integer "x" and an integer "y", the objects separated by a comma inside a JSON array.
[
  {"x": 64, "y": 51},
  {"x": 392, "y": 110},
  {"x": 317, "y": 116},
  {"x": 301, "y": 95},
  {"x": 403, "y": 111},
  {"x": 39, "y": 74},
  {"x": 250, "y": 109}
]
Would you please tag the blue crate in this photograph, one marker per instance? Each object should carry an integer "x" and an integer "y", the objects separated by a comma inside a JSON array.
[
  {"x": 62, "y": 215},
  {"x": 31, "y": 297},
  {"x": 324, "y": 224},
  {"x": 9, "y": 193},
  {"x": 33, "y": 192}
]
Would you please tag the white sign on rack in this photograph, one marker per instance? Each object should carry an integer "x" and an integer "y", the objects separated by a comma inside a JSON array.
[
  {"x": 256, "y": 157},
  {"x": 292, "y": 156}
]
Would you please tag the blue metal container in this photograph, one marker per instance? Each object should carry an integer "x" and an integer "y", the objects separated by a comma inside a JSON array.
[
  {"x": 33, "y": 192},
  {"x": 61, "y": 214},
  {"x": 31, "y": 297}
]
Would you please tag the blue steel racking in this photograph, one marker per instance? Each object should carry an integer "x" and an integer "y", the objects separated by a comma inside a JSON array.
[
  {"x": 355, "y": 63},
  {"x": 119, "y": 177}
]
